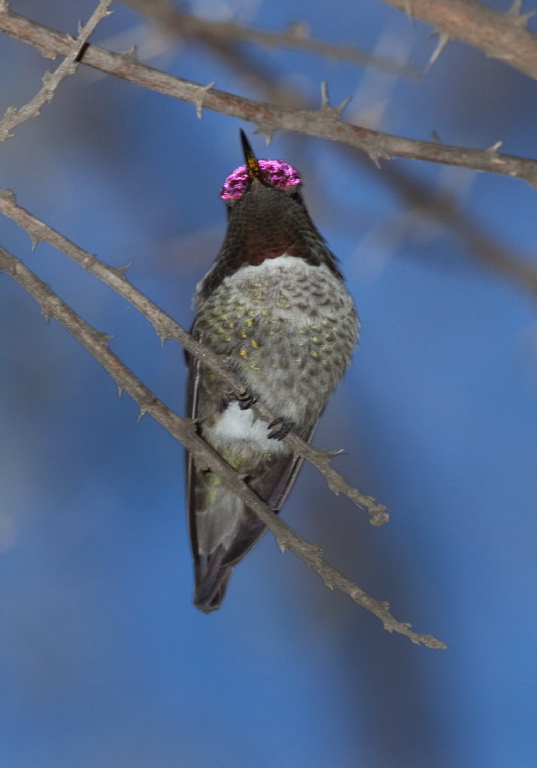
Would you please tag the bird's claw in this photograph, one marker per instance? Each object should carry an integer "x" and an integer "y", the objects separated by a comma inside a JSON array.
[
  {"x": 245, "y": 400},
  {"x": 280, "y": 428}
]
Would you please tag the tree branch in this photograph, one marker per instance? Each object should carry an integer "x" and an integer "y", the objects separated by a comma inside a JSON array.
[
  {"x": 437, "y": 205},
  {"x": 484, "y": 247},
  {"x": 51, "y": 80},
  {"x": 213, "y": 33},
  {"x": 323, "y": 123},
  {"x": 184, "y": 430},
  {"x": 499, "y": 35},
  {"x": 166, "y": 328}
]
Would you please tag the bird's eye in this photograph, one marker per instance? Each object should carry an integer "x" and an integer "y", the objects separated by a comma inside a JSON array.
[{"x": 296, "y": 196}]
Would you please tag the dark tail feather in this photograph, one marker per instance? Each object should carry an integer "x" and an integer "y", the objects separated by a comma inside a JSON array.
[
  {"x": 212, "y": 572},
  {"x": 223, "y": 530},
  {"x": 211, "y": 581}
]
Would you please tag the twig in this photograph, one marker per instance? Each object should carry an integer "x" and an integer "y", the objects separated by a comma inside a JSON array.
[
  {"x": 184, "y": 430},
  {"x": 323, "y": 123},
  {"x": 166, "y": 328},
  {"x": 484, "y": 247},
  {"x": 441, "y": 206},
  {"x": 499, "y": 35},
  {"x": 172, "y": 19},
  {"x": 51, "y": 80}
]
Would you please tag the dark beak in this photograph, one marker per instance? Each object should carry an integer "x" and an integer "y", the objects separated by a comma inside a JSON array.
[{"x": 252, "y": 164}]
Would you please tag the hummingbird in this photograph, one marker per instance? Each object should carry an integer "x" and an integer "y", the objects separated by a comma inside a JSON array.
[{"x": 275, "y": 307}]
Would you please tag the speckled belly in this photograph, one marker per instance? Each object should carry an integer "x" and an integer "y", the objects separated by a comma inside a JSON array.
[{"x": 290, "y": 329}]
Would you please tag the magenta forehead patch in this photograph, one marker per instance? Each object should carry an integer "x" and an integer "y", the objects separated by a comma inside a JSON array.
[{"x": 275, "y": 172}]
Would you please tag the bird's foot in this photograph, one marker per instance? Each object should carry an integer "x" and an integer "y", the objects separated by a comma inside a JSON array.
[
  {"x": 280, "y": 428},
  {"x": 245, "y": 400}
]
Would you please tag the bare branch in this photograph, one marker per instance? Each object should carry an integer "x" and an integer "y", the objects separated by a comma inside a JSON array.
[
  {"x": 318, "y": 123},
  {"x": 484, "y": 246},
  {"x": 184, "y": 430},
  {"x": 499, "y": 35},
  {"x": 166, "y": 328},
  {"x": 171, "y": 19},
  {"x": 51, "y": 80},
  {"x": 441, "y": 206}
]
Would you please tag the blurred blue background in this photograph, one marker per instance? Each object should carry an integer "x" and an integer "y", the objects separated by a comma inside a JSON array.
[{"x": 103, "y": 660}]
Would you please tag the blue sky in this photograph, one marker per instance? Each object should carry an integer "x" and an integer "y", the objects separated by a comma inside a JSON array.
[{"x": 103, "y": 660}]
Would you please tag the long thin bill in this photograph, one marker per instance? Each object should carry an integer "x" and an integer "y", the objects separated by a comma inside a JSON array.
[{"x": 252, "y": 164}]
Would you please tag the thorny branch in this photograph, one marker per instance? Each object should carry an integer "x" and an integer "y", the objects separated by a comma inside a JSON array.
[
  {"x": 185, "y": 431},
  {"x": 439, "y": 206},
  {"x": 51, "y": 80},
  {"x": 323, "y": 123},
  {"x": 167, "y": 328},
  {"x": 499, "y": 35},
  {"x": 224, "y": 39}
]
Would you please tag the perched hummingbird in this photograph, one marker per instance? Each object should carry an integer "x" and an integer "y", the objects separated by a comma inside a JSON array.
[{"x": 275, "y": 307}]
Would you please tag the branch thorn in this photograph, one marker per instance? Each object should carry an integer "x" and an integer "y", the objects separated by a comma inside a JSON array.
[
  {"x": 198, "y": 103},
  {"x": 408, "y": 10},
  {"x": 267, "y": 130},
  {"x": 325, "y": 103},
  {"x": 516, "y": 16},
  {"x": 143, "y": 411},
  {"x": 443, "y": 40},
  {"x": 132, "y": 53},
  {"x": 495, "y": 147},
  {"x": 332, "y": 454},
  {"x": 120, "y": 271},
  {"x": 299, "y": 31},
  {"x": 35, "y": 240}
]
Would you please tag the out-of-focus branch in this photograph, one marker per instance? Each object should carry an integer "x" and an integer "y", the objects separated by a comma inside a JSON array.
[
  {"x": 184, "y": 430},
  {"x": 499, "y": 35},
  {"x": 323, "y": 123},
  {"x": 214, "y": 33},
  {"x": 442, "y": 207},
  {"x": 167, "y": 328},
  {"x": 253, "y": 70},
  {"x": 439, "y": 206},
  {"x": 51, "y": 80}
]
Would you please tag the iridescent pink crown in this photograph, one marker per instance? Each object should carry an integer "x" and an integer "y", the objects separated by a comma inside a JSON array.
[{"x": 275, "y": 172}]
